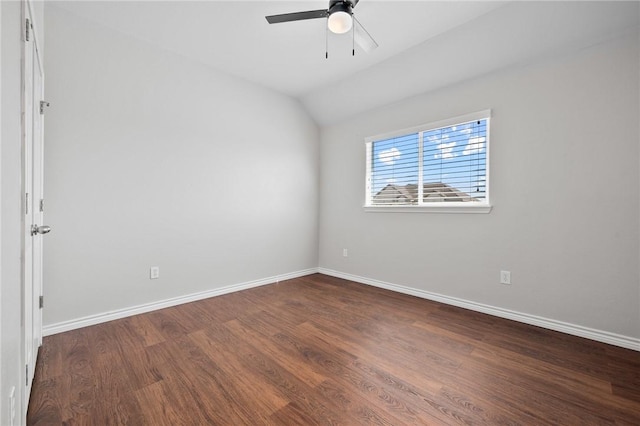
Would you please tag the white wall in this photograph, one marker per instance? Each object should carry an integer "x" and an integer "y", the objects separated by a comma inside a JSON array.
[
  {"x": 568, "y": 127},
  {"x": 153, "y": 160}
]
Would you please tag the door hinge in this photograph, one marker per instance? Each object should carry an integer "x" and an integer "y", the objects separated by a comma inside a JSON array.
[
  {"x": 26, "y": 203},
  {"x": 27, "y": 32},
  {"x": 41, "y": 302},
  {"x": 26, "y": 370},
  {"x": 42, "y": 204},
  {"x": 43, "y": 104}
]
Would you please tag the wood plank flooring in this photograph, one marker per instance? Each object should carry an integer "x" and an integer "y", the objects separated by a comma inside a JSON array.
[{"x": 321, "y": 350}]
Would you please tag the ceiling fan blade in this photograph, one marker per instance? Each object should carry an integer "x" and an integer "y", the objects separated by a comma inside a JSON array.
[
  {"x": 362, "y": 37},
  {"x": 297, "y": 16}
]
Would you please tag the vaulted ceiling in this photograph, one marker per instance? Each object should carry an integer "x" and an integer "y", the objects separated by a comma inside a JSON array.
[{"x": 423, "y": 45}]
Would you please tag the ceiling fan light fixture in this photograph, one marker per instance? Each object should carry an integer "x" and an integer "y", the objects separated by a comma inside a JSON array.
[{"x": 340, "y": 20}]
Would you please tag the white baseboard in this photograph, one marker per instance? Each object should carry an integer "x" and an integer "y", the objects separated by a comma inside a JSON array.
[
  {"x": 60, "y": 327},
  {"x": 576, "y": 330}
]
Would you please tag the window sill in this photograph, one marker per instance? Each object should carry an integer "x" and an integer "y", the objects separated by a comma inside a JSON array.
[{"x": 443, "y": 208}]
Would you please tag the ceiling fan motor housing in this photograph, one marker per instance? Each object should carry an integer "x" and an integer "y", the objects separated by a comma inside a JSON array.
[{"x": 341, "y": 6}]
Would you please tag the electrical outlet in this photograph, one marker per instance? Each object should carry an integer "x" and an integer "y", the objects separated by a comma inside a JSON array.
[
  {"x": 154, "y": 273},
  {"x": 345, "y": 253},
  {"x": 12, "y": 406},
  {"x": 505, "y": 277}
]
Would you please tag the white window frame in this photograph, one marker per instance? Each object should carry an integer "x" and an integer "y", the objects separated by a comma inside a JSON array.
[{"x": 448, "y": 207}]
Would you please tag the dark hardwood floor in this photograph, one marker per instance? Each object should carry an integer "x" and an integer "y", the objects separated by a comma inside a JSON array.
[{"x": 321, "y": 350}]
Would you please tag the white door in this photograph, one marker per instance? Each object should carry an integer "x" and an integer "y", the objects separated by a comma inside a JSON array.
[
  {"x": 33, "y": 230},
  {"x": 27, "y": 251},
  {"x": 38, "y": 192}
]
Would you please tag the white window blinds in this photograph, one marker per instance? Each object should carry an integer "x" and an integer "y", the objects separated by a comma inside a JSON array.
[
  {"x": 395, "y": 170},
  {"x": 445, "y": 163}
]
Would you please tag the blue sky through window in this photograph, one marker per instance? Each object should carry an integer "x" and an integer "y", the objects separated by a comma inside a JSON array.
[{"x": 453, "y": 155}]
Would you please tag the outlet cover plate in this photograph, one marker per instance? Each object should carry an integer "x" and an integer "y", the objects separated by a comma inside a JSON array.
[{"x": 154, "y": 273}]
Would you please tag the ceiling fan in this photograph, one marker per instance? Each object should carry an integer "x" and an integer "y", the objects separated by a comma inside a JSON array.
[{"x": 340, "y": 20}]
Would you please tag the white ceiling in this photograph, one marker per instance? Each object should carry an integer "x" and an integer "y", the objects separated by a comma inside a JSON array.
[{"x": 424, "y": 45}]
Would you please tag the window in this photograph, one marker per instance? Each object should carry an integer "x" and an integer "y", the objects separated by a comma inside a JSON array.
[{"x": 440, "y": 167}]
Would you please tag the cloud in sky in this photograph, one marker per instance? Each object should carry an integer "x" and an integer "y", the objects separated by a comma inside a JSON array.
[
  {"x": 474, "y": 145},
  {"x": 389, "y": 156},
  {"x": 446, "y": 150}
]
